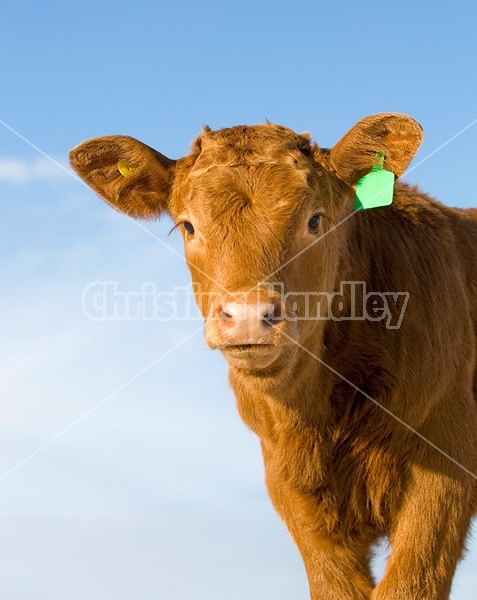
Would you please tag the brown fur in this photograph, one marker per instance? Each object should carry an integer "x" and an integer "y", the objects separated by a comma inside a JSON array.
[{"x": 355, "y": 419}]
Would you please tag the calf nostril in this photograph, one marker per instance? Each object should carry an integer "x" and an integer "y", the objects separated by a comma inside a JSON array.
[
  {"x": 273, "y": 313},
  {"x": 224, "y": 315},
  {"x": 231, "y": 311}
]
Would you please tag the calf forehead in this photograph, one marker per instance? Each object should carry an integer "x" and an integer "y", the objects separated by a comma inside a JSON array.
[
  {"x": 257, "y": 187},
  {"x": 246, "y": 208},
  {"x": 262, "y": 166}
]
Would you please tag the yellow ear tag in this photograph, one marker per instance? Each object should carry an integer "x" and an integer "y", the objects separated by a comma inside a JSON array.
[{"x": 126, "y": 168}]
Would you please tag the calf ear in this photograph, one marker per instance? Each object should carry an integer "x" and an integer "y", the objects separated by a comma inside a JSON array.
[
  {"x": 395, "y": 136},
  {"x": 132, "y": 177}
]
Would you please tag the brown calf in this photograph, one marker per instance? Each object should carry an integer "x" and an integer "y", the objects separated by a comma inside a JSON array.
[{"x": 368, "y": 423}]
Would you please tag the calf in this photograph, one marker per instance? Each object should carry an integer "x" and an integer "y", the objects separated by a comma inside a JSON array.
[{"x": 367, "y": 424}]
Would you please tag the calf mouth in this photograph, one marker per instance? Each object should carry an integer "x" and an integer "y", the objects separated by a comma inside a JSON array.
[
  {"x": 241, "y": 347},
  {"x": 250, "y": 356}
]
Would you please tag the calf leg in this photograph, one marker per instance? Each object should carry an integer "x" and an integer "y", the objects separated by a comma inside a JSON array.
[
  {"x": 427, "y": 537},
  {"x": 336, "y": 569}
]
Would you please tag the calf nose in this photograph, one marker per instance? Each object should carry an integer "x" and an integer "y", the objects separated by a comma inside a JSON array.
[
  {"x": 264, "y": 312},
  {"x": 248, "y": 321}
]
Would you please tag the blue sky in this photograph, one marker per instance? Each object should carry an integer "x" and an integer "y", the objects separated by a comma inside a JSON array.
[{"x": 152, "y": 487}]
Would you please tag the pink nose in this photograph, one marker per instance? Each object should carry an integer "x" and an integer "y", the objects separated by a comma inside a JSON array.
[
  {"x": 263, "y": 312},
  {"x": 246, "y": 320}
]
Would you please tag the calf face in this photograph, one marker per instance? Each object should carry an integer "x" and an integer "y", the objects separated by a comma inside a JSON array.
[{"x": 251, "y": 204}]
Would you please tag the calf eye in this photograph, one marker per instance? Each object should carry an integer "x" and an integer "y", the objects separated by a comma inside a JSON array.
[
  {"x": 313, "y": 223},
  {"x": 188, "y": 227}
]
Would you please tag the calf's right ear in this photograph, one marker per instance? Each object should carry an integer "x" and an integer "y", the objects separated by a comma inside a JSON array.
[{"x": 132, "y": 177}]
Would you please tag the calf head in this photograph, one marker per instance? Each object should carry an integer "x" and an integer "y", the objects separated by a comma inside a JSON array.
[{"x": 255, "y": 206}]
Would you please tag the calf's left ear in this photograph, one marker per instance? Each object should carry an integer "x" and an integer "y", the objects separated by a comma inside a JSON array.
[
  {"x": 132, "y": 177},
  {"x": 395, "y": 136}
]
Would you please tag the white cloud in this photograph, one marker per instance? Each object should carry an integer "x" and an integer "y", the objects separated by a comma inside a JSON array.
[{"x": 21, "y": 171}]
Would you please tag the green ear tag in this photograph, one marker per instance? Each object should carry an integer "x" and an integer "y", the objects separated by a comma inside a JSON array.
[{"x": 376, "y": 188}]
